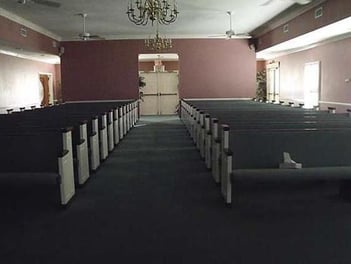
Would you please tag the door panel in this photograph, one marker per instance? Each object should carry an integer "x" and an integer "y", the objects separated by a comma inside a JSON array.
[
  {"x": 169, "y": 98},
  {"x": 311, "y": 84},
  {"x": 149, "y": 94},
  {"x": 149, "y": 104},
  {"x": 160, "y": 94}
]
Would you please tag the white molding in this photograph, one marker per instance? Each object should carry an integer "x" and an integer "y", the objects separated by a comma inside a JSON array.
[
  {"x": 292, "y": 100},
  {"x": 28, "y": 24},
  {"x": 215, "y": 99},
  {"x": 98, "y": 101},
  {"x": 335, "y": 103}
]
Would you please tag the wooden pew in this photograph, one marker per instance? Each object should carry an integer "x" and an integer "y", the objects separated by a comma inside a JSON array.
[
  {"x": 253, "y": 121},
  {"x": 27, "y": 121},
  {"x": 46, "y": 152},
  {"x": 257, "y": 153}
]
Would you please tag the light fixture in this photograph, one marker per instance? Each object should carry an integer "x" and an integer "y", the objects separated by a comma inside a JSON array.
[
  {"x": 158, "y": 43},
  {"x": 160, "y": 11}
]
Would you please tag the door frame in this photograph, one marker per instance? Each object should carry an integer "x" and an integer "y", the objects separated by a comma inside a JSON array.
[
  {"x": 275, "y": 68},
  {"x": 306, "y": 90}
]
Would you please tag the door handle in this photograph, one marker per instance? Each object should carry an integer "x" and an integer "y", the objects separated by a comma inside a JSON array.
[{"x": 168, "y": 93}]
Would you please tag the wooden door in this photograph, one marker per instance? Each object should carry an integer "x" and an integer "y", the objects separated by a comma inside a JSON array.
[
  {"x": 273, "y": 82},
  {"x": 168, "y": 90},
  {"x": 149, "y": 94},
  {"x": 160, "y": 94},
  {"x": 311, "y": 84},
  {"x": 44, "y": 79}
]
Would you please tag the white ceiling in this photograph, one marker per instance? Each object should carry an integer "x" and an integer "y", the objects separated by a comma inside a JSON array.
[
  {"x": 107, "y": 18},
  {"x": 197, "y": 19}
]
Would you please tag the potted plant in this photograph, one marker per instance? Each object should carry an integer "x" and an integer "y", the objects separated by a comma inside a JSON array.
[
  {"x": 142, "y": 84},
  {"x": 261, "y": 85}
]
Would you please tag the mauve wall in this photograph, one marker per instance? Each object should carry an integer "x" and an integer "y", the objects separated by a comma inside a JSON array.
[
  {"x": 98, "y": 70},
  {"x": 19, "y": 81},
  {"x": 260, "y": 66},
  {"x": 335, "y": 61},
  {"x": 10, "y": 33}
]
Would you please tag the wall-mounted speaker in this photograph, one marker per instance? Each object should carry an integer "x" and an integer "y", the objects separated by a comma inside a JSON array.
[
  {"x": 253, "y": 44},
  {"x": 61, "y": 51}
]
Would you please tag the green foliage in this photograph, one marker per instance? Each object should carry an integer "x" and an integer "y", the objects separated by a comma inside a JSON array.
[
  {"x": 261, "y": 82},
  {"x": 142, "y": 83}
]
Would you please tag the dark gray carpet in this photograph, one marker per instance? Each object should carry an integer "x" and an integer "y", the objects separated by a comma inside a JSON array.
[{"x": 153, "y": 201}]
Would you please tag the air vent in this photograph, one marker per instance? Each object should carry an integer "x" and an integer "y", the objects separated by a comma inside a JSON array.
[
  {"x": 23, "y": 32},
  {"x": 286, "y": 28},
  {"x": 318, "y": 12}
]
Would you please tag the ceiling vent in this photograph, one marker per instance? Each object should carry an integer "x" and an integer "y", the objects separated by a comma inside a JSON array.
[{"x": 318, "y": 12}]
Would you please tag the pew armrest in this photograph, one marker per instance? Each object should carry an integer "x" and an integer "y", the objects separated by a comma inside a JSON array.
[
  {"x": 81, "y": 141},
  {"x": 63, "y": 153}
]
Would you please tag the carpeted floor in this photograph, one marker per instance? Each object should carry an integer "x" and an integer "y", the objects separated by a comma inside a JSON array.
[{"x": 153, "y": 201}]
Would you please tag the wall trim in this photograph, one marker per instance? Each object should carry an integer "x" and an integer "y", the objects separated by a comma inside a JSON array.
[
  {"x": 215, "y": 99},
  {"x": 335, "y": 103},
  {"x": 97, "y": 101},
  {"x": 28, "y": 24}
]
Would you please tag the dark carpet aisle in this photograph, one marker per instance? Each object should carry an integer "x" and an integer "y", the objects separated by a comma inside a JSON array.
[{"x": 153, "y": 201}]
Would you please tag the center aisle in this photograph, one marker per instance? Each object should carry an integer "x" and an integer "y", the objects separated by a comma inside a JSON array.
[{"x": 156, "y": 197}]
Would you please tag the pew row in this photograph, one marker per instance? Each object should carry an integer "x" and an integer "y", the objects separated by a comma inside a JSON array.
[
  {"x": 45, "y": 152},
  {"x": 250, "y": 118}
]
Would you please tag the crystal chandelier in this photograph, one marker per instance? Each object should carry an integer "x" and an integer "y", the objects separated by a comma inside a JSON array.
[
  {"x": 142, "y": 11},
  {"x": 158, "y": 43}
]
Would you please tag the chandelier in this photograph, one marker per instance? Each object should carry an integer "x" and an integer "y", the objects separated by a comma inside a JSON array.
[
  {"x": 158, "y": 43},
  {"x": 142, "y": 11}
]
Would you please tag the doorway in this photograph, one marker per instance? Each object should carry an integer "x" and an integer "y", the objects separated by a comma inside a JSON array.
[
  {"x": 273, "y": 81},
  {"x": 47, "y": 89},
  {"x": 160, "y": 74},
  {"x": 311, "y": 84}
]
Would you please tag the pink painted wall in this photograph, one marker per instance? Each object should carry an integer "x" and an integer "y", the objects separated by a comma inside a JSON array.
[
  {"x": 98, "y": 70},
  {"x": 19, "y": 81},
  {"x": 335, "y": 61},
  {"x": 10, "y": 33}
]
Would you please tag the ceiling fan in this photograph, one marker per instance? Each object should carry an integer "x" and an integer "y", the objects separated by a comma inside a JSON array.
[
  {"x": 86, "y": 35},
  {"x": 41, "y": 2},
  {"x": 230, "y": 34},
  {"x": 300, "y": 2}
]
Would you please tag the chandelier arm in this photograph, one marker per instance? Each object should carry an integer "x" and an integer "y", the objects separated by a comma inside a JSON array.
[{"x": 157, "y": 11}]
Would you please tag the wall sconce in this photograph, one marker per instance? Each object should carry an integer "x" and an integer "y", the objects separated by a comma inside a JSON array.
[{"x": 61, "y": 51}]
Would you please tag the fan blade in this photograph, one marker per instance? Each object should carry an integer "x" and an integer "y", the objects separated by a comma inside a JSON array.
[
  {"x": 47, "y": 3},
  {"x": 96, "y": 37},
  {"x": 242, "y": 36},
  {"x": 218, "y": 36},
  {"x": 303, "y": 2},
  {"x": 266, "y": 2},
  {"x": 90, "y": 37}
]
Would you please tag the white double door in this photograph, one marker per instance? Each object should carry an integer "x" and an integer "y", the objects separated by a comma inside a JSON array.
[
  {"x": 160, "y": 95},
  {"x": 273, "y": 82}
]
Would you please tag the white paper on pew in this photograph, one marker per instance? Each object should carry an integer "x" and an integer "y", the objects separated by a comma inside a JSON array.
[{"x": 288, "y": 163}]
